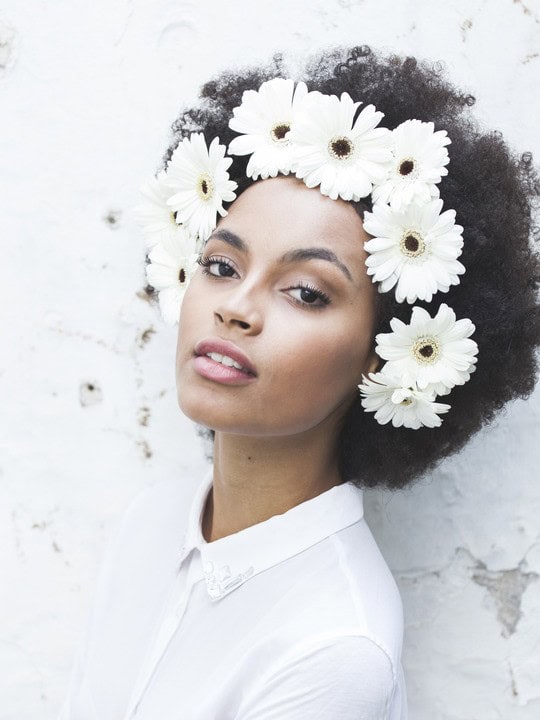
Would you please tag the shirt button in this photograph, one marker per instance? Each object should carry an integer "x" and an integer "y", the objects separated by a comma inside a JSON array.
[{"x": 208, "y": 567}]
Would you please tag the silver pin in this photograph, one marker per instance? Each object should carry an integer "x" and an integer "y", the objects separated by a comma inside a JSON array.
[{"x": 218, "y": 588}]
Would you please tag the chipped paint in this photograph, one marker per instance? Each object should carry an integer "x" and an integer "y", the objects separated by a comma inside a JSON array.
[
  {"x": 143, "y": 415},
  {"x": 112, "y": 218},
  {"x": 146, "y": 336},
  {"x": 465, "y": 26},
  {"x": 506, "y": 587},
  {"x": 90, "y": 393},
  {"x": 8, "y": 38},
  {"x": 145, "y": 449},
  {"x": 146, "y": 293}
]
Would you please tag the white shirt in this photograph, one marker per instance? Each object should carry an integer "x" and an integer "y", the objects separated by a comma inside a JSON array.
[{"x": 295, "y": 617}]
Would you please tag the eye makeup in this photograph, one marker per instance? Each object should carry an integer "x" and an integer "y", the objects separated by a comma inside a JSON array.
[{"x": 304, "y": 287}]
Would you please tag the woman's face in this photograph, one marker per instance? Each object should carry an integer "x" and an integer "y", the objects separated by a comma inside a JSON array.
[{"x": 309, "y": 356}]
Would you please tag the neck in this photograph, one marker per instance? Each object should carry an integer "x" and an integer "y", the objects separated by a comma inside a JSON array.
[{"x": 258, "y": 477}]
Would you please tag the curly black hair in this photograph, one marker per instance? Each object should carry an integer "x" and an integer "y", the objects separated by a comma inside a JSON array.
[{"x": 494, "y": 192}]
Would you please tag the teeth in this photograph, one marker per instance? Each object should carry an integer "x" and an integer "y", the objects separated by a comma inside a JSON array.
[{"x": 225, "y": 360}]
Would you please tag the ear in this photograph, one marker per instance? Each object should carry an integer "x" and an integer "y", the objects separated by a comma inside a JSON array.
[{"x": 373, "y": 362}]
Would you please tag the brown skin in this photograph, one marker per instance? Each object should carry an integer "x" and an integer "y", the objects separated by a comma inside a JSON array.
[{"x": 276, "y": 438}]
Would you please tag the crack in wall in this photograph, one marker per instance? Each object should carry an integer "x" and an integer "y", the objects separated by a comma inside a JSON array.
[
  {"x": 7, "y": 47},
  {"x": 145, "y": 336},
  {"x": 465, "y": 26},
  {"x": 513, "y": 685},
  {"x": 526, "y": 10},
  {"x": 506, "y": 587}
]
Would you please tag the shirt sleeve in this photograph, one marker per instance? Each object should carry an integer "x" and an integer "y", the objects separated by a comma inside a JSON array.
[{"x": 350, "y": 678}]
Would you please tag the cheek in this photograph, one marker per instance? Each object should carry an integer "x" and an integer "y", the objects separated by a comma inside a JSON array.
[
  {"x": 190, "y": 326},
  {"x": 318, "y": 368},
  {"x": 331, "y": 355}
]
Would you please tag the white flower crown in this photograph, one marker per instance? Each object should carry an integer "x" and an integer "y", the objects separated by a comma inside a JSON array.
[{"x": 287, "y": 129}]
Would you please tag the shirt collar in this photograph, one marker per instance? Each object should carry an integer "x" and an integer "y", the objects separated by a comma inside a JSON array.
[{"x": 231, "y": 560}]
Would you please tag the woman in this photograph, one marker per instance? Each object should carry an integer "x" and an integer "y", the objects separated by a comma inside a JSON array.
[{"x": 263, "y": 593}]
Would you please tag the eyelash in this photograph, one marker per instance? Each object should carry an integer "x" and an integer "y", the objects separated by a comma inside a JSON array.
[{"x": 212, "y": 259}]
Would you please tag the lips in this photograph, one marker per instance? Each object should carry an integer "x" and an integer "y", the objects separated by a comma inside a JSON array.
[{"x": 224, "y": 347}]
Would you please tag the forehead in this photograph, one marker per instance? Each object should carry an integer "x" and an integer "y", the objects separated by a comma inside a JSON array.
[{"x": 282, "y": 213}]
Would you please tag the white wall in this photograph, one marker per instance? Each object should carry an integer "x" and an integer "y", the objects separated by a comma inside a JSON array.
[{"x": 88, "y": 91}]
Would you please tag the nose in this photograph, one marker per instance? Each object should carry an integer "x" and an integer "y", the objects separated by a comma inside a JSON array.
[{"x": 238, "y": 308}]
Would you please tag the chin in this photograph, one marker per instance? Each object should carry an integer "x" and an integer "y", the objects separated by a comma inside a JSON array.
[
  {"x": 204, "y": 408},
  {"x": 223, "y": 422},
  {"x": 208, "y": 403}
]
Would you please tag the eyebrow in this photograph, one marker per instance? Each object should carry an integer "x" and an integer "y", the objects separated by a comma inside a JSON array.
[{"x": 296, "y": 255}]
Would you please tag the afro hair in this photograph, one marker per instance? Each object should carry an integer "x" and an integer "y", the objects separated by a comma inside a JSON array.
[{"x": 494, "y": 192}]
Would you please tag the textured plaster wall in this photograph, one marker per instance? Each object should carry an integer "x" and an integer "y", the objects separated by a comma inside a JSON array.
[{"x": 89, "y": 413}]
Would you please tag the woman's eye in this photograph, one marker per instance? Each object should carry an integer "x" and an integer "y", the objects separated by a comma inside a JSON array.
[
  {"x": 219, "y": 261},
  {"x": 308, "y": 296}
]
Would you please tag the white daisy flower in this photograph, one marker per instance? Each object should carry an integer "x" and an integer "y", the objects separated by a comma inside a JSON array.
[
  {"x": 265, "y": 117},
  {"x": 385, "y": 395},
  {"x": 155, "y": 218},
  {"x": 415, "y": 249},
  {"x": 199, "y": 183},
  {"x": 172, "y": 265},
  {"x": 344, "y": 159},
  {"x": 419, "y": 157},
  {"x": 435, "y": 353}
]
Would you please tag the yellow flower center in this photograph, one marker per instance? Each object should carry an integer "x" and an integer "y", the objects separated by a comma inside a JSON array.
[
  {"x": 412, "y": 243},
  {"x": 426, "y": 350},
  {"x": 340, "y": 147},
  {"x": 205, "y": 186},
  {"x": 278, "y": 132}
]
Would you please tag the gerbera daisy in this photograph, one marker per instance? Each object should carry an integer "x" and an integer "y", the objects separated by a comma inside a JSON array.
[
  {"x": 265, "y": 117},
  {"x": 385, "y": 395},
  {"x": 419, "y": 157},
  {"x": 172, "y": 264},
  {"x": 153, "y": 215},
  {"x": 199, "y": 183},
  {"x": 435, "y": 353},
  {"x": 345, "y": 159},
  {"x": 415, "y": 249}
]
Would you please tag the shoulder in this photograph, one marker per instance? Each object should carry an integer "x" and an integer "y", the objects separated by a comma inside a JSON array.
[
  {"x": 348, "y": 676},
  {"x": 371, "y": 587},
  {"x": 340, "y": 586},
  {"x": 349, "y": 589}
]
